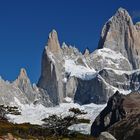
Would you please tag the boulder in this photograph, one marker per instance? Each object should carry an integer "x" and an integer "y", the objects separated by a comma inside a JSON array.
[{"x": 105, "y": 136}]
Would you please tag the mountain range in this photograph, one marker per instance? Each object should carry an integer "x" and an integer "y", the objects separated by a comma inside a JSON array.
[{"x": 91, "y": 77}]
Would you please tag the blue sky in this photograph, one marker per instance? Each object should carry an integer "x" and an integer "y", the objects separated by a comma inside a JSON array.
[{"x": 25, "y": 25}]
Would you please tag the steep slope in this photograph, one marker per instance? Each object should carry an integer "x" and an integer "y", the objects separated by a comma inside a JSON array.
[
  {"x": 121, "y": 35},
  {"x": 121, "y": 117},
  {"x": 130, "y": 125},
  {"x": 20, "y": 92},
  {"x": 52, "y": 67}
]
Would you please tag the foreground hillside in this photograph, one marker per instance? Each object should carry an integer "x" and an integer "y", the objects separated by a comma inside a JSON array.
[
  {"x": 28, "y": 131},
  {"x": 130, "y": 125},
  {"x": 121, "y": 117}
]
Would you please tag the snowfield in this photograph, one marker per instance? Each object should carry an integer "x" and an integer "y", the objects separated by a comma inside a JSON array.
[
  {"x": 35, "y": 113},
  {"x": 79, "y": 71}
]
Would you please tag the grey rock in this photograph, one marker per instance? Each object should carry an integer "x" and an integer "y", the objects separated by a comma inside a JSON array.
[
  {"x": 10, "y": 94},
  {"x": 105, "y": 136},
  {"x": 121, "y": 35},
  {"x": 23, "y": 83},
  {"x": 112, "y": 113},
  {"x": 107, "y": 58},
  {"x": 95, "y": 90},
  {"x": 86, "y": 52},
  {"x": 51, "y": 70},
  {"x": 21, "y": 91}
]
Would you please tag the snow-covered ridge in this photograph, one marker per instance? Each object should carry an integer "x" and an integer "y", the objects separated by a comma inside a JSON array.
[
  {"x": 79, "y": 71},
  {"x": 121, "y": 72},
  {"x": 111, "y": 59}
]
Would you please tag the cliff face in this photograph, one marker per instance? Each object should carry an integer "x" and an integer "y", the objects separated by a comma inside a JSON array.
[
  {"x": 52, "y": 67},
  {"x": 21, "y": 91},
  {"x": 121, "y": 35},
  {"x": 121, "y": 117}
]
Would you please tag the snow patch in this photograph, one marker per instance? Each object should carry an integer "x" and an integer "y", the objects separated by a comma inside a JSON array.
[
  {"x": 68, "y": 100},
  {"x": 35, "y": 113},
  {"x": 50, "y": 55},
  {"x": 110, "y": 57},
  {"x": 79, "y": 71}
]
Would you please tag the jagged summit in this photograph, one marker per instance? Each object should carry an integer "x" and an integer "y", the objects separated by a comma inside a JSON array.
[
  {"x": 53, "y": 34},
  {"x": 64, "y": 45},
  {"x": 23, "y": 73},
  {"x": 86, "y": 52},
  {"x": 123, "y": 11},
  {"x": 53, "y": 42},
  {"x": 121, "y": 35},
  {"x": 121, "y": 15},
  {"x": 137, "y": 25}
]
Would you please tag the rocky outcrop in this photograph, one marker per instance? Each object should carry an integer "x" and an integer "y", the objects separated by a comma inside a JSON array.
[
  {"x": 121, "y": 35},
  {"x": 107, "y": 58},
  {"x": 120, "y": 116},
  {"x": 130, "y": 125},
  {"x": 105, "y": 136},
  {"x": 57, "y": 66},
  {"x": 113, "y": 112},
  {"x": 21, "y": 91},
  {"x": 10, "y": 94},
  {"x": 95, "y": 90},
  {"x": 86, "y": 52},
  {"x": 23, "y": 83},
  {"x": 52, "y": 68}
]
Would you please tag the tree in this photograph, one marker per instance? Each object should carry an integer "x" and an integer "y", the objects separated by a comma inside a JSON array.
[{"x": 58, "y": 125}]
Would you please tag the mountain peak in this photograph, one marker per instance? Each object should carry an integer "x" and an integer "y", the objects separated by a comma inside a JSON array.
[
  {"x": 86, "y": 52},
  {"x": 53, "y": 42},
  {"x": 121, "y": 35},
  {"x": 137, "y": 25},
  {"x": 122, "y": 10},
  {"x": 53, "y": 34},
  {"x": 121, "y": 15},
  {"x": 23, "y": 73}
]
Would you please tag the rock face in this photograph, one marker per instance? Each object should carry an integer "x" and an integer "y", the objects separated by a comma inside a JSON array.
[
  {"x": 52, "y": 67},
  {"x": 120, "y": 116},
  {"x": 106, "y": 136},
  {"x": 22, "y": 92},
  {"x": 107, "y": 58},
  {"x": 121, "y": 35},
  {"x": 94, "y": 77},
  {"x": 113, "y": 112},
  {"x": 130, "y": 125},
  {"x": 23, "y": 83}
]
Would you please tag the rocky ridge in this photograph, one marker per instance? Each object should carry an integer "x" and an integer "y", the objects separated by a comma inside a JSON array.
[
  {"x": 21, "y": 91},
  {"x": 94, "y": 77},
  {"x": 83, "y": 77}
]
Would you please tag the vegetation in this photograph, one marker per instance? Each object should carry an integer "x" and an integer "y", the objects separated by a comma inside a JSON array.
[
  {"x": 54, "y": 128},
  {"x": 58, "y": 125},
  {"x": 28, "y": 131}
]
